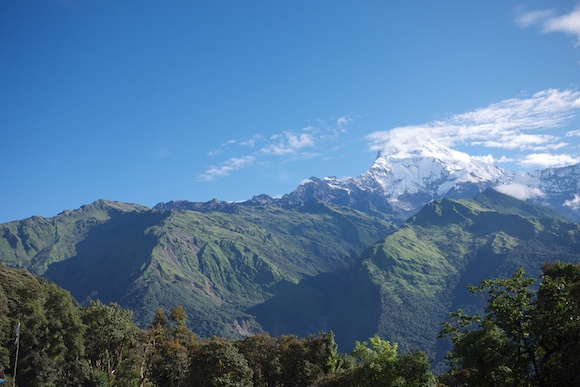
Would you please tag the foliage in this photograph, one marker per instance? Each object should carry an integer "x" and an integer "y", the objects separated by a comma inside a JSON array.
[
  {"x": 99, "y": 345},
  {"x": 43, "y": 321},
  {"x": 216, "y": 260},
  {"x": 526, "y": 337},
  {"x": 379, "y": 364},
  {"x": 261, "y": 353},
  {"x": 557, "y": 323},
  {"x": 169, "y": 348},
  {"x": 111, "y": 336},
  {"x": 217, "y": 362},
  {"x": 418, "y": 274}
]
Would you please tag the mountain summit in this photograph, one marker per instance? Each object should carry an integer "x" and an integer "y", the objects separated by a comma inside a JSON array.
[
  {"x": 431, "y": 171},
  {"x": 405, "y": 177}
]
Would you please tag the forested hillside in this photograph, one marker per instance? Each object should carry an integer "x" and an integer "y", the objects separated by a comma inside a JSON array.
[
  {"x": 243, "y": 269},
  {"x": 415, "y": 276},
  {"x": 217, "y": 261},
  {"x": 47, "y": 339},
  {"x": 527, "y": 335}
]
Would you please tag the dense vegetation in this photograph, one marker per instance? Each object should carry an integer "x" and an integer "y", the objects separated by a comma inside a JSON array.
[
  {"x": 419, "y": 273},
  {"x": 63, "y": 344},
  {"x": 218, "y": 260},
  {"x": 242, "y": 269},
  {"x": 528, "y": 336}
]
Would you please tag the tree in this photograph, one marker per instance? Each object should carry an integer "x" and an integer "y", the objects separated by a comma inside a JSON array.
[
  {"x": 377, "y": 358},
  {"x": 170, "y": 346},
  {"x": 414, "y": 369},
  {"x": 379, "y": 364},
  {"x": 302, "y": 361},
  {"x": 525, "y": 338},
  {"x": 65, "y": 332},
  {"x": 218, "y": 362},
  {"x": 261, "y": 354},
  {"x": 498, "y": 347},
  {"x": 50, "y": 331},
  {"x": 557, "y": 324},
  {"x": 111, "y": 336},
  {"x": 332, "y": 360}
]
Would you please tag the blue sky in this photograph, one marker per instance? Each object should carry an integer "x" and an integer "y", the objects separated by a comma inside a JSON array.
[{"x": 150, "y": 101}]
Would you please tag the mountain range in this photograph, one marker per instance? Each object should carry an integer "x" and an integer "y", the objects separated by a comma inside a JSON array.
[
  {"x": 389, "y": 252},
  {"x": 401, "y": 182}
]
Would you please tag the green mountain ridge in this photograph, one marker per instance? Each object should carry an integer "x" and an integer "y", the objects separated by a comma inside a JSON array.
[
  {"x": 217, "y": 264},
  {"x": 242, "y": 269},
  {"x": 422, "y": 269}
]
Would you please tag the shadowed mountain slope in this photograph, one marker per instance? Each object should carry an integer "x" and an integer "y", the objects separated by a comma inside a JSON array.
[
  {"x": 419, "y": 273},
  {"x": 243, "y": 268},
  {"x": 218, "y": 261}
]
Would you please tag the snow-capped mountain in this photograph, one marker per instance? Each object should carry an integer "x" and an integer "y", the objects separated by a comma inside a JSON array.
[{"x": 403, "y": 179}]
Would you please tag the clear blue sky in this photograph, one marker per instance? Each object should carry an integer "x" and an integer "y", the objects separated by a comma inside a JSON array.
[{"x": 151, "y": 101}]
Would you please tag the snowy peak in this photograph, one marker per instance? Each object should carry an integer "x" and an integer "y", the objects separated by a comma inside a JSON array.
[
  {"x": 406, "y": 176},
  {"x": 422, "y": 147},
  {"x": 427, "y": 166}
]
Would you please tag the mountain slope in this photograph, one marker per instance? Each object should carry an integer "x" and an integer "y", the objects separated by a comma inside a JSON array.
[
  {"x": 218, "y": 261},
  {"x": 418, "y": 274},
  {"x": 405, "y": 178},
  {"x": 37, "y": 242}
]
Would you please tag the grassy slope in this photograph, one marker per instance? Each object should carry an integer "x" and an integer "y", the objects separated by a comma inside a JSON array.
[
  {"x": 243, "y": 269},
  {"x": 37, "y": 242},
  {"x": 218, "y": 265},
  {"x": 422, "y": 269},
  {"x": 222, "y": 265}
]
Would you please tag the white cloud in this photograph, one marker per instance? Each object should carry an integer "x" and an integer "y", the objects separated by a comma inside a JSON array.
[
  {"x": 289, "y": 143},
  {"x": 344, "y": 121},
  {"x": 553, "y": 146},
  {"x": 223, "y": 146},
  {"x": 301, "y": 141},
  {"x": 520, "y": 191},
  {"x": 521, "y": 141},
  {"x": 504, "y": 125},
  {"x": 548, "y": 160},
  {"x": 569, "y": 24},
  {"x": 526, "y": 19},
  {"x": 252, "y": 141},
  {"x": 573, "y": 203},
  {"x": 226, "y": 168},
  {"x": 492, "y": 160},
  {"x": 548, "y": 21},
  {"x": 573, "y": 133}
]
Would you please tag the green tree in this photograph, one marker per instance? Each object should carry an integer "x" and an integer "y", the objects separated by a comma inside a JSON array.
[
  {"x": 301, "y": 360},
  {"x": 525, "y": 338},
  {"x": 413, "y": 369},
  {"x": 218, "y": 362},
  {"x": 377, "y": 358},
  {"x": 65, "y": 332},
  {"x": 332, "y": 359},
  {"x": 557, "y": 325},
  {"x": 379, "y": 364},
  {"x": 111, "y": 337},
  {"x": 4, "y": 329},
  {"x": 170, "y": 348},
  {"x": 50, "y": 331},
  {"x": 261, "y": 354}
]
